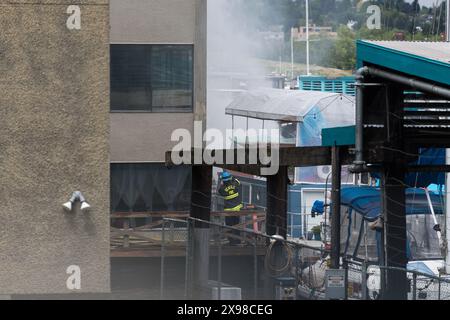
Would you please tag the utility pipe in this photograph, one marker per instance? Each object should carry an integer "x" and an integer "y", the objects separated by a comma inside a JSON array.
[
  {"x": 359, "y": 163},
  {"x": 410, "y": 82}
]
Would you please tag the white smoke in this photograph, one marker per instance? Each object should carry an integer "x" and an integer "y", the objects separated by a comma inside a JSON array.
[{"x": 233, "y": 47}]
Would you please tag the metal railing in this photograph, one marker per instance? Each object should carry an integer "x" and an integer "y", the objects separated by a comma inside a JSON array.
[
  {"x": 144, "y": 230},
  {"x": 243, "y": 264},
  {"x": 249, "y": 265},
  {"x": 370, "y": 282}
]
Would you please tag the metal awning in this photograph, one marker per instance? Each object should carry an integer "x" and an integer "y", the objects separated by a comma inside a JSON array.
[{"x": 291, "y": 105}]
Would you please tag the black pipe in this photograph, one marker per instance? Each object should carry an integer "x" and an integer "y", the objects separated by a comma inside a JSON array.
[
  {"x": 336, "y": 209},
  {"x": 410, "y": 82},
  {"x": 359, "y": 163}
]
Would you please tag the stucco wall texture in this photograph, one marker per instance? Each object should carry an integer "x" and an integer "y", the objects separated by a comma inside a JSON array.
[
  {"x": 153, "y": 21},
  {"x": 145, "y": 137},
  {"x": 54, "y": 139}
]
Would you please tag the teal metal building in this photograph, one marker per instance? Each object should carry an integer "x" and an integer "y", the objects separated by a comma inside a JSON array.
[
  {"x": 345, "y": 85},
  {"x": 402, "y": 107}
]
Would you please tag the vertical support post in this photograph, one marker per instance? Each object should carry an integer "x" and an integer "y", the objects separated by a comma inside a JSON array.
[
  {"x": 364, "y": 280},
  {"x": 393, "y": 193},
  {"x": 255, "y": 268},
  {"x": 292, "y": 53},
  {"x": 292, "y": 223},
  {"x": 126, "y": 237},
  {"x": 201, "y": 209},
  {"x": 347, "y": 284},
  {"x": 187, "y": 270},
  {"x": 200, "y": 61},
  {"x": 297, "y": 276},
  {"x": 277, "y": 196},
  {"x": 359, "y": 162},
  {"x": 255, "y": 222},
  {"x": 440, "y": 288},
  {"x": 447, "y": 208},
  {"x": 414, "y": 286},
  {"x": 335, "y": 207},
  {"x": 308, "y": 72},
  {"x": 447, "y": 27},
  {"x": 163, "y": 257},
  {"x": 172, "y": 232},
  {"x": 219, "y": 263}
]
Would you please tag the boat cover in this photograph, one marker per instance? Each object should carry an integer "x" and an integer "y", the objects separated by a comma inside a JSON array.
[{"x": 367, "y": 201}]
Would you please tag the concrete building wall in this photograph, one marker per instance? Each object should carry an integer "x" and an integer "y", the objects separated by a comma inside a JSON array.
[
  {"x": 146, "y": 137},
  {"x": 54, "y": 127},
  {"x": 153, "y": 21}
]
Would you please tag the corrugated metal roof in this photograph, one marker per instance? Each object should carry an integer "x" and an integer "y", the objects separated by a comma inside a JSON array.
[
  {"x": 426, "y": 60},
  {"x": 292, "y": 105},
  {"x": 439, "y": 51}
]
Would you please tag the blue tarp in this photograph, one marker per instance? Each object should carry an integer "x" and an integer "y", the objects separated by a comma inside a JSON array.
[
  {"x": 424, "y": 179},
  {"x": 420, "y": 267},
  {"x": 428, "y": 156},
  {"x": 367, "y": 201}
]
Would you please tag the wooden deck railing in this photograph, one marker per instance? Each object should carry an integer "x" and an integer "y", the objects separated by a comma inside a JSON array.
[{"x": 144, "y": 230}]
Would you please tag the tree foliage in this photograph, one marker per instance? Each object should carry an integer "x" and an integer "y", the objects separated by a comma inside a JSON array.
[
  {"x": 343, "y": 53},
  {"x": 414, "y": 21}
]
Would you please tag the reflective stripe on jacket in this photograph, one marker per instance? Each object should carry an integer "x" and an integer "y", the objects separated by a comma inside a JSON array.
[{"x": 231, "y": 192}]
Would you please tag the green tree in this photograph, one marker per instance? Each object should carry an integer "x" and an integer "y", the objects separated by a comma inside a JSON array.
[{"x": 343, "y": 53}]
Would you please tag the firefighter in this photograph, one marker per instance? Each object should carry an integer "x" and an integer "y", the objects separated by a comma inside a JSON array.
[{"x": 230, "y": 190}]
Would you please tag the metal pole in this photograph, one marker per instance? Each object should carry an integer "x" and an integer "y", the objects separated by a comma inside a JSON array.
[
  {"x": 219, "y": 265},
  {"x": 345, "y": 266},
  {"x": 292, "y": 54},
  {"x": 447, "y": 185},
  {"x": 448, "y": 21},
  {"x": 439, "y": 293},
  {"x": 292, "y": 223},
  {"x": 414, "y": 286},
  {"x": 163, "y": 253},
  {"x": 358, "y": 164},
  {"x": 255, "y": 269},
  {"x": 296, "y": 272},
  {"x": 336, "y": 208},
  {"x": 364, "y": 280},
  {"x": 447, "y": 211},
  {"x": 307, "y": 39},
  {"x": 383, "y": 281},
  {"x": 192, "y": 257},
  {"x": 408, "y": 81},
  {"x": 187, "y": 264},
  {"x": 436, "y": 223}
]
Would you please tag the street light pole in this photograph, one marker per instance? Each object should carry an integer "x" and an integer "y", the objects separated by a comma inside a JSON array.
[
  {"x": 292, "y": 53},
  {"x": 307, "y": 38}
]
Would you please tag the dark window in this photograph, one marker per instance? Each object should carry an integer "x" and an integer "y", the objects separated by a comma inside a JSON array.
[
  {"x": 150, "y": 187},
  {"x": 152, "y": 78}
]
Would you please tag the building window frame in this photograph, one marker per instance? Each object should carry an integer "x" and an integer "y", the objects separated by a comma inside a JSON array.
[{"x": 150, "y": 109}]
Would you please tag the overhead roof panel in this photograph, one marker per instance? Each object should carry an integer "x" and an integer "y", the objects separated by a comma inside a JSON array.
[{"x": 426, "y": 60}]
